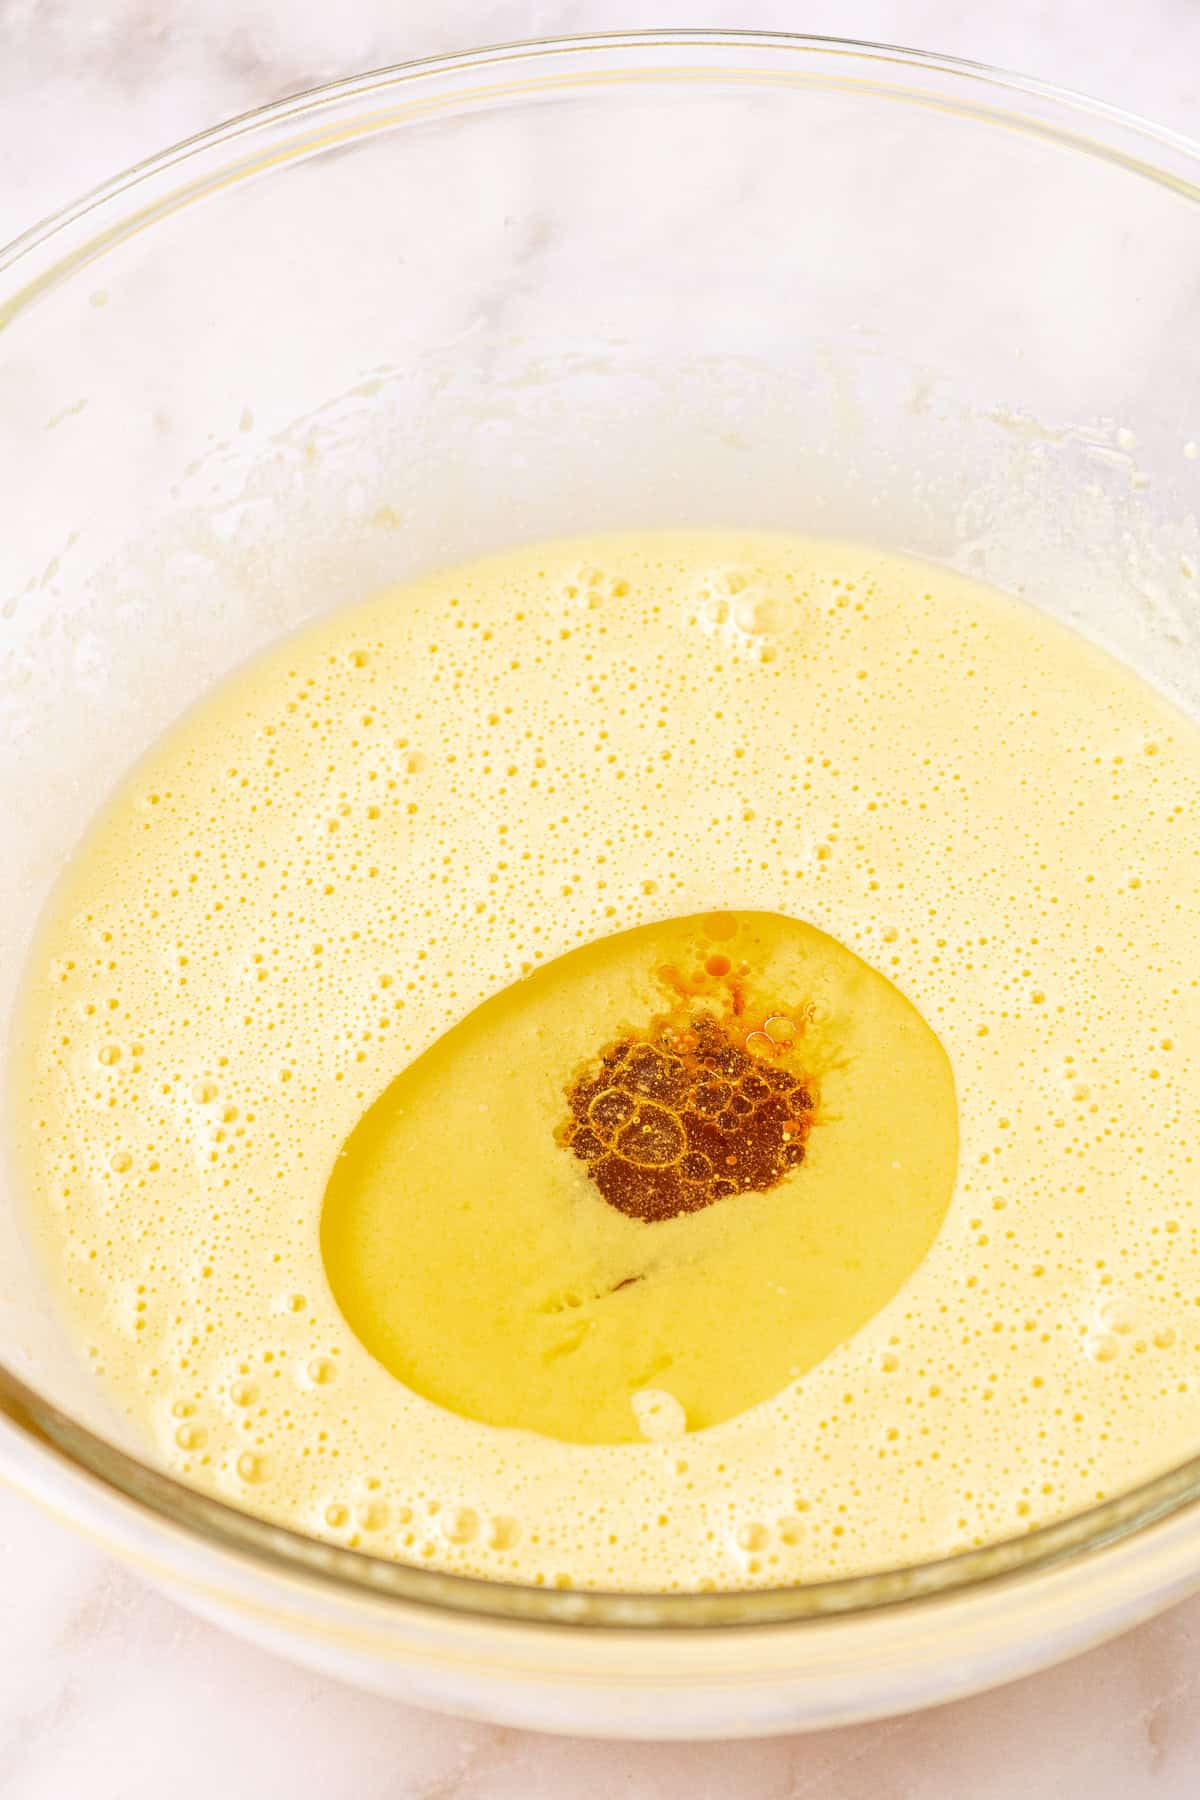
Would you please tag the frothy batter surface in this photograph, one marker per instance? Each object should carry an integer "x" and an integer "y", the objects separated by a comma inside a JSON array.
[{"x": 393, "y": 816}]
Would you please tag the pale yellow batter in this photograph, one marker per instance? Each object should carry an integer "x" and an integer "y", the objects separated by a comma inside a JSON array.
[{"x": 389, "y": 819}]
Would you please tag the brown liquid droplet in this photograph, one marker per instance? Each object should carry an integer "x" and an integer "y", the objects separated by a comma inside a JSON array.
[{"x": 689, "y": 1114}]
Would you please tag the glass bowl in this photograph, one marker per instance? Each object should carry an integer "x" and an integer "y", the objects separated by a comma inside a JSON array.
[{"x": 646, "y": 279}]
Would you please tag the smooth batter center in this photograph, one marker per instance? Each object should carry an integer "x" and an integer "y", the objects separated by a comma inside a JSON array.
[{"x": 531, "y": 1235}]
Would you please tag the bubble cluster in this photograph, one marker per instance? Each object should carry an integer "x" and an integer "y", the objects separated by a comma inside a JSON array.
[
  {"x": 412, "y": 804},
  {"x": 688, "y": 1116}
]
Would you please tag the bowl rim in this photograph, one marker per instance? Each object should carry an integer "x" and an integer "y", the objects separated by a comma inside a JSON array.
[{"x": 1080, "y": 125}]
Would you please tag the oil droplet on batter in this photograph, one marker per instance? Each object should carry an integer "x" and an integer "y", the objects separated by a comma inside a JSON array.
[{"x": 611, "y": 1204}]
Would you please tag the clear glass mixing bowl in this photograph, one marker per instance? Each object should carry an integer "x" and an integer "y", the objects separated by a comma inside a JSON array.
[{"x": 655, "y": 278}]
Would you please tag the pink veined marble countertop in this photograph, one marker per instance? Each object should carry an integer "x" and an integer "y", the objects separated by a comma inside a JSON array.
[{"x": 109, "y": 1691}]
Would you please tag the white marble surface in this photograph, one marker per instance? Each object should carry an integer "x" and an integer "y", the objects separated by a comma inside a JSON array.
[{"x": 107, "y": 1689}]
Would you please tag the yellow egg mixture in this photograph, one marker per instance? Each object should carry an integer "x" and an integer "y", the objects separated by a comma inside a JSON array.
[
  {"x": 667, "y": 1060},
  {"x": 738, "y": 1200}
]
